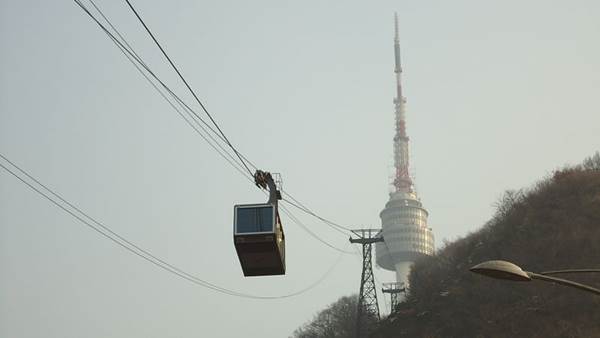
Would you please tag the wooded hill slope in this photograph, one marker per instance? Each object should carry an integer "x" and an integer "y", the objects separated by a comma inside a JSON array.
[{"x": 553, "y": 225}]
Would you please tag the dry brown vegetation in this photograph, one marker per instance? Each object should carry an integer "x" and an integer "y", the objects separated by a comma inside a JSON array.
[
  {"x": 335, "y": 321},
  {"x": 553, "y": 225}
]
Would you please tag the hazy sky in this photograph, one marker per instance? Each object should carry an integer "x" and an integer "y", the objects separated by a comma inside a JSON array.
[{"x": 499, "y": 94}]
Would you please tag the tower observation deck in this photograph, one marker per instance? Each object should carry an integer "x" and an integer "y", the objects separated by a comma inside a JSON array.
[{"x": 404, "y": 219}]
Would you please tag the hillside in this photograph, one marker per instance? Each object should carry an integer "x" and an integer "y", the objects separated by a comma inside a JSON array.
[{"x": 553, "y": 225}]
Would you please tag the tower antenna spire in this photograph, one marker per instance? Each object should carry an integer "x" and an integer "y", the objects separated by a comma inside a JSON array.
[
  {"x": 402, "y": 180},
  {"x": 396, "y": 24}
]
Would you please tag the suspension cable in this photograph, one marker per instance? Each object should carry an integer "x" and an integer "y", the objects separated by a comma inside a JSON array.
[
  {"x": 126, "y": 244},
  {"x": 130, "y": 53},
  {"x": 186, "y": 84}
]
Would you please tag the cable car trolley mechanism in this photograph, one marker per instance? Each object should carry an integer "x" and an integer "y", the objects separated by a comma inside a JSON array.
[{"x": 257, "y": 232}]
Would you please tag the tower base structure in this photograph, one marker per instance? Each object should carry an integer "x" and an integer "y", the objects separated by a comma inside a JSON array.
[{"x": 402, "y": 271}]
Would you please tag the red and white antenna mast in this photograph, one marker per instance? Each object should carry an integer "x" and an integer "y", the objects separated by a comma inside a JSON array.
[{"x": 402, "y": 180}]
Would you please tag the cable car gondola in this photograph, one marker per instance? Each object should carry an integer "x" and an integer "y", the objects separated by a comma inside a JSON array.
[{"x": 257, "y": 232}]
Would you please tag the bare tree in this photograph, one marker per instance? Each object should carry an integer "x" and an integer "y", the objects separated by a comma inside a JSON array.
[
  {"x": 336, "y": 321},
  {"x": 592, "y": 163}
]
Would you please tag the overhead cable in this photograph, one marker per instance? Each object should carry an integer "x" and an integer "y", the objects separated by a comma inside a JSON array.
[
  {"x": 118, "y": 239},
  {"x": 135, "y": 59},
  {"x": 305, "y": 209},
  {"x": 315, "y": 236},
  {"x": 186, "y": 83}
]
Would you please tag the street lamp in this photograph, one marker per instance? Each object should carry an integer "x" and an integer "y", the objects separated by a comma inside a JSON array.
[{"x": 510, "y": 271}]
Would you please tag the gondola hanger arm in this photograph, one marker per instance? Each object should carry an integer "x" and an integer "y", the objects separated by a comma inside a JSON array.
[{"x": 264, "y": 180}]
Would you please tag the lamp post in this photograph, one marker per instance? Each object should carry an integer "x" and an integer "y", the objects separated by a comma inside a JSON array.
[{"x": 510, "y": 271}]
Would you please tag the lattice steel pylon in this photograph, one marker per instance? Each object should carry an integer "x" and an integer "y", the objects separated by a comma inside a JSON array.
[
  {"x": 394, "y": 289},
  {"x": 367, "y": 309}
]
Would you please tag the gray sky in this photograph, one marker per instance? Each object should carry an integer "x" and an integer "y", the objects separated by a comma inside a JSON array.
[{"x": 499, "y": 94}]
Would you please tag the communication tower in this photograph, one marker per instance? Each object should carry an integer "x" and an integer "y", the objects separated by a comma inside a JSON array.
[{"x": 404, "y": 219}]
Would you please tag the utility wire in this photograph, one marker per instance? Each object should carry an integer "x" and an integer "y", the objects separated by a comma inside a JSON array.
[
  {"x": 138, "y": 58},
  {"x": 186, "y": 83},
  {"x": 315, "y": 236},
  {"x": 131, "y": 55},
  {"x": 134, "y": 57},
  {"x": 305, "y": 209},
  {"x": 108, "y": 233},
  {"x": 297, "y": 204}
]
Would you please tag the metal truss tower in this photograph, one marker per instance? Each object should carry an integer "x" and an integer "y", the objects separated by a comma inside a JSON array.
[
  {"x": 394, "y": 289},
  {"x": 367, "y": 311}
]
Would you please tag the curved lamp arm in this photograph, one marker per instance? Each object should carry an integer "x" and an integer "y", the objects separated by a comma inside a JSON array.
[
  {"x": 556, "y": 272},
  {"x": 564, "y": 282}
]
